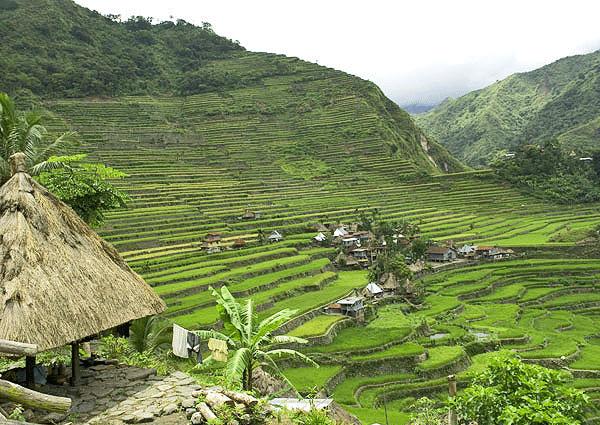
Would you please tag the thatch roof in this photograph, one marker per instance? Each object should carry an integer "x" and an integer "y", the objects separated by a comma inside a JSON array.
[{"x": 59, "y": 281}]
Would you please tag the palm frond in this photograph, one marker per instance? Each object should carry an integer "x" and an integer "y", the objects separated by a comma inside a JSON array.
[
  {"x": 268, "y": 364},
  {"x": 237, "y": 364},
  {"x": 287, "y": 339},
  {"x": 285, "y": 352},
  {"x": 270, "y": 324},
  {"x": 229, "y": 309}
]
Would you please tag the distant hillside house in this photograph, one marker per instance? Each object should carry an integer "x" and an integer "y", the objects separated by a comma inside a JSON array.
[
  {"x": 212, "y": 243},
  {"x": 441, "y": 254},
  {"x": 361, "y": 255},
  {"x": 350, "y": 242},
  {"x": 320, "y": 238},
  {"x": 239, "y": 243},
  {"x": 340, "y": 232},
  {"x": 275, "y": 236},
  {"x": 467, "y": 250},
  {"x": 251, "y": 215},
  {"x": 488, "y": 253},
  {"x": 373, "y": 290},
  {"x": 349, "y": 306}
]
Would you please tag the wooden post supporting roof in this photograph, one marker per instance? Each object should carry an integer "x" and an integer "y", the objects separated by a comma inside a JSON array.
[
  {"x": 29, "y": 371},
  {"x": 75, "y": 368}
]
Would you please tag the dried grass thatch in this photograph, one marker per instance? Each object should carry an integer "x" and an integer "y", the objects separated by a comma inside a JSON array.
[{"x": 59, "y": 281}]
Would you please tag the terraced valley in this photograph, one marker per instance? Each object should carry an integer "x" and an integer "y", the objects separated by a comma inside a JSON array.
[{"x": 307, "y": 145}]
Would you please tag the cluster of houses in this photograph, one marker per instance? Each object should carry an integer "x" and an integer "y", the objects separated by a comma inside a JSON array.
[
  {"x": 358, "y": 248},
  {"x": 213, "y": 242},
  {"x": 354, "y": 305},
  {"x": 449, "y": 253}
]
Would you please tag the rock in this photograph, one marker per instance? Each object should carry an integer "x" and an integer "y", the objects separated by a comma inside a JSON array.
[
  {"x": 128, "y": 419},
  {"x": 143, "y": 417},
  {"x": 189, "y": 412},
  {"x": 85, "y": 407},
  {"x": 187, "y": 403},
  {"x": 179, "y": 375},
  {"x": 53, "y": 418},
  {"x": 197, "y": 418},
  {"x": 163, "y": 387},
  {"x": 139, "y": 374},
  {"x": 169, "y": 409}
]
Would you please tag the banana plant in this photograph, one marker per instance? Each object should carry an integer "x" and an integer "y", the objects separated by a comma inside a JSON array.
[{"x": 251, "y": 343}]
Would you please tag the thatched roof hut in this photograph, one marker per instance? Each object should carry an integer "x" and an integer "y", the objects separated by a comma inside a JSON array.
[{"x": 59, "y": 281}]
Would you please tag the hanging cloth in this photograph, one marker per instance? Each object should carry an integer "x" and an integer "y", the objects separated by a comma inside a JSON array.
[
  {"x": 180, "y": 342},
  {"x": 218, "y": 349},
  {"x": 193, "y": 346}
]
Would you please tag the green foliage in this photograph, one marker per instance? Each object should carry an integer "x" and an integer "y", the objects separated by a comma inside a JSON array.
[
  {"x": 23, "y": 132},
  {"x": 312, "y": 417},
  {"x": 548, "y": 171},
  {"x": 150, "y": 333},
  {"x": 69, "y": 51},
  {"x": 122, "y": 350},
  {"x": 560, "y": 100},
  {"x": 85, "y": 187},
  {"x": 427, "y": 412},
  {"x": 251, "y": 340},
  {"x": 514, "y": 393}
]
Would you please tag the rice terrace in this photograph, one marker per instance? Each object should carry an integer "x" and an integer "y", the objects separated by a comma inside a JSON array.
[{"x": 302, "y": 187}]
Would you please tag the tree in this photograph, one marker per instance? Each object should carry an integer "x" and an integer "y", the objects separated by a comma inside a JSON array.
[
  {"x": 251, "y": 341},
  {"x": 511, "y": 392},
  {"x": 84, "y": 187},
  {"x": 23, "y": 132},
  {"x": 150, "y": 333}
]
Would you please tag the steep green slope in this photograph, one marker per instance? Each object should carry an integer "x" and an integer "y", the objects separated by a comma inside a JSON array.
[
  {"x": 560, "y": 100},
  {"x": 56, "y": 49}
]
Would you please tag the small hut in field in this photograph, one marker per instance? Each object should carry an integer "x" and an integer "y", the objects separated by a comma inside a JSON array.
[{"x": 60, "y": 283}]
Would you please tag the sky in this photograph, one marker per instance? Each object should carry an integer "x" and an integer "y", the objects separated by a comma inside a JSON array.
[{"x": 417, "y": 51}]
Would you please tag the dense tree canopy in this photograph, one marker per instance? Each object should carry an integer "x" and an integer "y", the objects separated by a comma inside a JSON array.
[
  {"x": 511, "y": 392},
  {"x": 550, "y": 171},
  {"x": 58, "y": 49}
]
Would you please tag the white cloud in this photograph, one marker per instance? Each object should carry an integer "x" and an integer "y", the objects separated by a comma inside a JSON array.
[{"x": 416, "y": 51}]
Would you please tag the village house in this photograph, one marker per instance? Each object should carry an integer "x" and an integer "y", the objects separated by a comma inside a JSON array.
[
  {"x": 275, "y": 236},
  {"x": 441, "y": 254},
  {"x": 251, "y": 215},
  {"x": 361, "y": 255},
  {"x": 239, "y": 243},
  {"x": 320, "y": 238},
  {"x": 212, "y": 243},
  {"x": 350, "y": 243},
  {"x": 340, "y": 232},
  {"x": 373, "y": 290},
  {"x": 352, "y": 306},
  {"x": 467, "y": 251},
  {"x": 488, "y": 253},
  {"x": 389, "y": 283}
]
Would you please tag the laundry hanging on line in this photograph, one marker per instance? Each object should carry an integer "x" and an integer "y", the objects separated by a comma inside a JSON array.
[{"x": 186, "y": 344}]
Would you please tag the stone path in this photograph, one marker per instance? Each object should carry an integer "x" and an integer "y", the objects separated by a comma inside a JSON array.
[{"x": 115, "y": 394}]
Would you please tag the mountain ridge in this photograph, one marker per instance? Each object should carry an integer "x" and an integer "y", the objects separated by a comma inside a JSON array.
[{"x": 526, "y": 107}]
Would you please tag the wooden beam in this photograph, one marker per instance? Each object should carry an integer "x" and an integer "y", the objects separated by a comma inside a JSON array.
[
  {"x": 29, "y": 371},
  {"x": 17, "y": 348},
  {"x": 75, "y": 368},
  {"x": 33, "y": 399}
]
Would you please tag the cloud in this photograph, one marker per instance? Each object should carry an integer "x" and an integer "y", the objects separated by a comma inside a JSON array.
[{"x": 416, "y": 51}]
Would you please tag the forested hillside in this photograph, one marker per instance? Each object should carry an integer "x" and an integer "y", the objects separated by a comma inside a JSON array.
[
  {"x": 55, "y": 49},
  {"x": 560, "y": 100}
]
